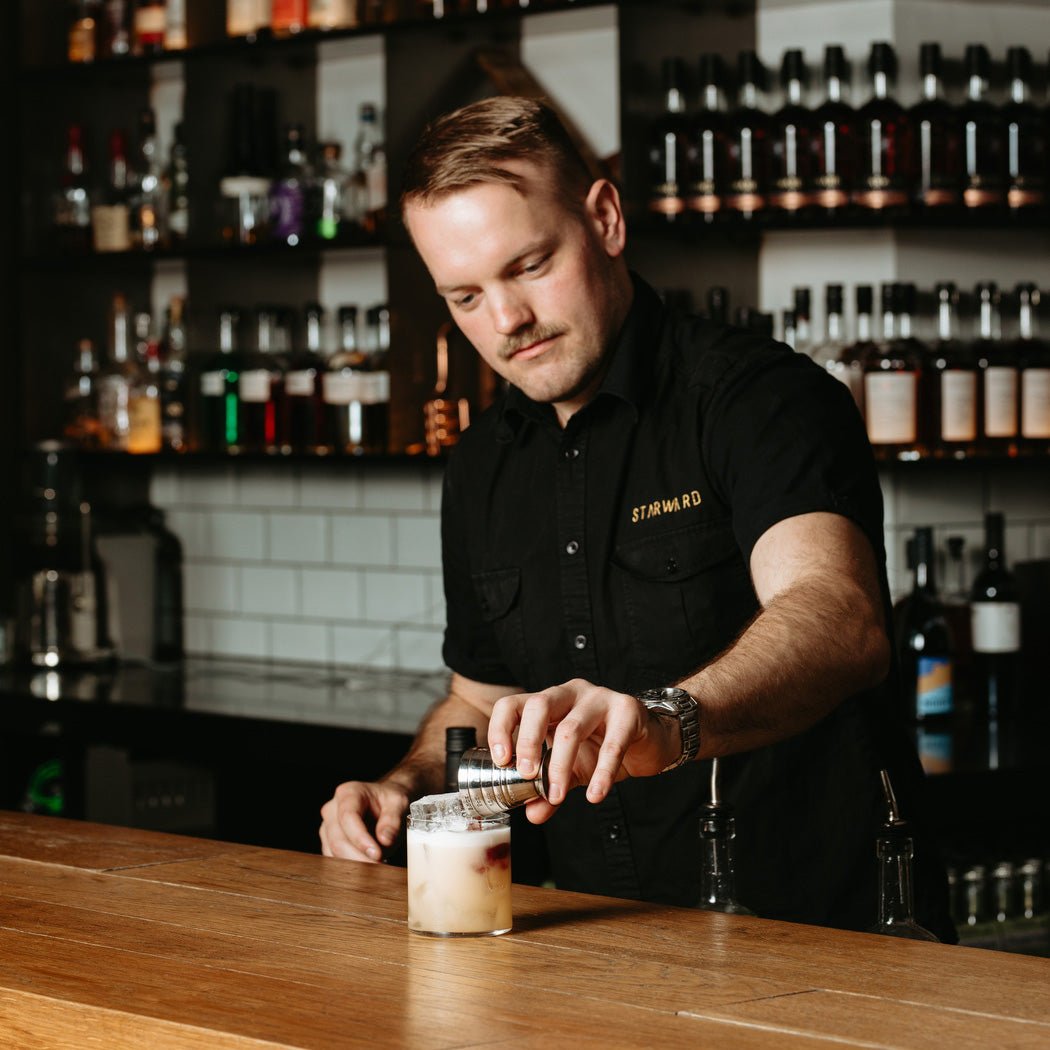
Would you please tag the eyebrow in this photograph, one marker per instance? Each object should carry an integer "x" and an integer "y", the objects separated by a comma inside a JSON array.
[{"x": 540, "y": 246}]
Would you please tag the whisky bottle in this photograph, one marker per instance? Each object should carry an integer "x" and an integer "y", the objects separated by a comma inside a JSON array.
[
  {"x": 747, "y": 142},
  {"x": 668, "y": 147},
  {"x": 832, "y": 141},
  {"x": 376, "y": 392},
  {"x": 999, "y": 379},
  {"x": 176, "y": 186},
  {"x": 953, "y": 383},
  {"x": 1026, "y": 138},
  {"x": 173, "y": 378},
  {"x": 790, "y": 141},
  {"x": 110, "y": 216},
  {"x": 341, "y": 388},
  {"x": 995, "y": 626},
  {"x": 1032, "y": 354},
  {"x": 883, "y": 140},
  {"x": 80, "y": 402},
  {"x": 147, "y": 197},
  {"x": 288, "y": 17},
  {"x": 891, "y": 386},
  {"x": 71, "y": 215},
  {"x": 369, "y": 178},
  {"x": 895, "y": 850},
  {"x": 219, "y": 429},
  {"x": 302, "y": 386},
  {"x": 706, "y": 149},
  {"x": 984, "y": 145},
  {"x": 145, "y": 435},
  {"x": 82, "y": 31},
  {"x": 116, "y": 379},
  {"x": 938, "y": 138},
  {"x": 247, "y": 18},
  {"x": 260, "y": 390},
  {"x": 151, "y": 19}
]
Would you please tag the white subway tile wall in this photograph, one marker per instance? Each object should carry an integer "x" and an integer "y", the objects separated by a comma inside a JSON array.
[{"x": 317, "y": 565}]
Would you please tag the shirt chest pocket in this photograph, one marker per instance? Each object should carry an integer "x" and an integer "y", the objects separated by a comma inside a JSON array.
[
  {"x": 500, "y": 604},
  {"x": 686, "y": 594}
]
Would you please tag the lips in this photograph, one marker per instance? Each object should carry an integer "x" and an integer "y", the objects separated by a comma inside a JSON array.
[{"x": 527, "y": 353}]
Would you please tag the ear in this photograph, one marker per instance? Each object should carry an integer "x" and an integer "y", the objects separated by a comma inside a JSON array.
[{"x": 605, "y": 214}]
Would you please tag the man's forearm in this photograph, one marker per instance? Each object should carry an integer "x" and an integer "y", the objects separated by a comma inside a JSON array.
[
  {"x": 804, "y": 653},
  {"x": 422, "y": 770}
]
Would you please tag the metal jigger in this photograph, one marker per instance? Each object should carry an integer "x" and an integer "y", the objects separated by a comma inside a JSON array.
[{"x": 488, "y": 790}]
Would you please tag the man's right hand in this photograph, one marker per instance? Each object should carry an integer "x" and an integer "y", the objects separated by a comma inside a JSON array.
[{"x": 361, "y": 819}]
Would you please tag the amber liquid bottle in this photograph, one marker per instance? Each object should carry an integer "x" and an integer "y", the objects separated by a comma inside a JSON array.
[
  {"x": 936, "y": 127},
  {"x": 984, "y": 138},
  {"x": 302, "y": 386},
  {"x": 884, "y": 168},
  {"x": 1027, "y": 156},
  {"x": 1033, "y": 359},
  {"x": 952, "y": 382},
  {"x": 999, "y": 379},
  {"x": 706, "y": 153},
  {"x": 833, "y": 164},
  {"x": 790, "y": 135},
  {"x": 747, "y": 142},
  {"x": 668, "y": 148}
]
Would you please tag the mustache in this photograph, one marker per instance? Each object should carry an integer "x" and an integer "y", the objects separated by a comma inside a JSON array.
[{"x": 536, "y": 334}]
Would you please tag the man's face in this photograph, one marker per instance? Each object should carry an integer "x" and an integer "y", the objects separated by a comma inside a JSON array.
[{"x": 539, "y": 290}]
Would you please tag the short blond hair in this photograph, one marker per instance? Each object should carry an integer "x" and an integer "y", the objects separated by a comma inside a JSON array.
[{"x": 473, "y": 145}]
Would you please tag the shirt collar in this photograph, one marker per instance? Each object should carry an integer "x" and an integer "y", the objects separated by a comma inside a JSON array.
[{"x": 630, "y": 365}]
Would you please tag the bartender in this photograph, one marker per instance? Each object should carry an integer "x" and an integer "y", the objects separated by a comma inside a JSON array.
[{"x": 655, "y": 501}]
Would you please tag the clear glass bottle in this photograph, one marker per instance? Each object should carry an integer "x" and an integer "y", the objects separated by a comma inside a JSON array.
[
  {"x": 177, "y": 190},
  {"x": 1032, "y": 354},
  {"x": 147, "y": 196},
  {"x": 828, "y": 352},
  {"x": 369, "y": 177},
  {"x": 717, "y": 870},
  {"x": 995, "y": 626},
  {"x": 329, "y": 193},
  {"x": 303, "y": 386},
  {"x": 938, "y": 138},
  {"x": 984, "y": 139},
  {"x": 706, "y": 146},
  {"x": 999, "y": 377},
  {"x": 219, "y": 428},
  {"x": 747, "y": 143},
  {"x": 668, "y": 147},
  {"x": 790, "y": 141},
  {"x": 80, "y": 403},
  {"x": 953, "y": 383},
  {"x": 895, "y": 850},
  {"x": 175, "y": 38},
  {"x": 855, "y": 355},
  {"x": 116, "y": 379},
  {"x": 883, "y": 140},
  {"x": 145, "y": 435},
  {"x": 173, "y": 378},
  {"x": 803, "y": 319},
  {"x": 834, "y": 163},
  {"x": 342, "y": 389},
  {"x": 376, "y": 390}
]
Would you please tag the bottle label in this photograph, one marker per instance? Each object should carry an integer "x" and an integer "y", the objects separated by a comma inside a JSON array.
[
  {"x": 111, "y": 227},
  {"x": 958, "y": 405},
  {"x": 1000, "y": 401},
  {"x": 375, "y": 388},
  {"x": 331, "y": 14},
  {"x": 150, "y": 22},
  {"x": 933, "y": 687},
  {"x": 299, "y": 383},
  {"x": 213, "y": 384},
  {"x": 82, "y": 41},
  {"x": 245, "y": 17},
  {"x": 255, "y": 385},
  {"x": 341, "y": 388},
  {"x": 996, "y": 627},
  {"x": 890, "y": 398},
  {"x": 1035, "y": 403},
  {"x": 144, "y": 430}
]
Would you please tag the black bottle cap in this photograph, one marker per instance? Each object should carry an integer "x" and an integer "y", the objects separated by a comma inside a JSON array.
[
  {"x": 865, "y": 298},
  {"x": 347, "y": 313},
  {"x": 313, "y": 309},
  {"x": 712, "y": 70},
  {"x": 978, "y": 62},
  {"x": 788, "y": 318},
  {"x": 749, "y": 70},
  {"x": 833, "y": 299},
  {"x": 946, "y": 290},
  {"x": 930, "y": 60},
  {"x": 672, "y": 73},
  {"x": 762, "y": 324},
  {"x": 793, "y": 67},
  {"x": 906, "y": 293},
  {"x": 986, "y": 291},
  {"x": 802, "y": 303},
  {"x": 835, "y": 64},
  {"x": 888, "y": 297},
  {"x": 955, "y": 545},
  {"x": 1019, "y": 63},
  {"x": 883, "y": 59},
  {"x": 923, "y": 545}
]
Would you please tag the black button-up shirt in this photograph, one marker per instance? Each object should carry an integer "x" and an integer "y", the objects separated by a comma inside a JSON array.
[{"x": 616, "y": 550}]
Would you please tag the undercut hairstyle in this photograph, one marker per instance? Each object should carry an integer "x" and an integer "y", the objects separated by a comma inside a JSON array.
[{"x": 473, "y": 145}]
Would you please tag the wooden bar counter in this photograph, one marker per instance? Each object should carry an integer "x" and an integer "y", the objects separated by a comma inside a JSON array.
[{"x": 115, "y": 938}]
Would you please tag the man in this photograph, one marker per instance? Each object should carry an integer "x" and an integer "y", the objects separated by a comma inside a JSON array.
[{"x": 655, "y": 501}]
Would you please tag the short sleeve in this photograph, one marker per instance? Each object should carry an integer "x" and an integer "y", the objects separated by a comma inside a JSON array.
[
  {"x": 782, "y": 437},
  {"x": 470, "y": 646}
]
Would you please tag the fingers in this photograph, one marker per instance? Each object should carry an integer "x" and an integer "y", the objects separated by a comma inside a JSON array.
[
  {"x": 593, "y": 728},
  {"x": 346, "y": 818}
]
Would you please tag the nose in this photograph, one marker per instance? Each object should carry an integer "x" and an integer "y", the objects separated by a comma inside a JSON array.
[{"x": 510, "y": 312}]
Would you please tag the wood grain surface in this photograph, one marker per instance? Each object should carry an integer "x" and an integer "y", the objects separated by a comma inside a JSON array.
[{"x": 115, "y": 938}]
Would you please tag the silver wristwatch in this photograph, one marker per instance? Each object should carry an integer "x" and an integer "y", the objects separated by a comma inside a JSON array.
[{"x": 672, "y": 702}]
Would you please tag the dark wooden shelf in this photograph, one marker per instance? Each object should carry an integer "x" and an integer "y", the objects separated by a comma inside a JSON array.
[{"x": 189, "y": 459}]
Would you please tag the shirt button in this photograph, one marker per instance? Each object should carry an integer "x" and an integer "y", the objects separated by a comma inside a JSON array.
[
  {"x": 571, "y": 547},
  {"x": 580, "y": 641},
  {"x": 614, "y": 832},
  {"x": 571, "y": 453}
]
